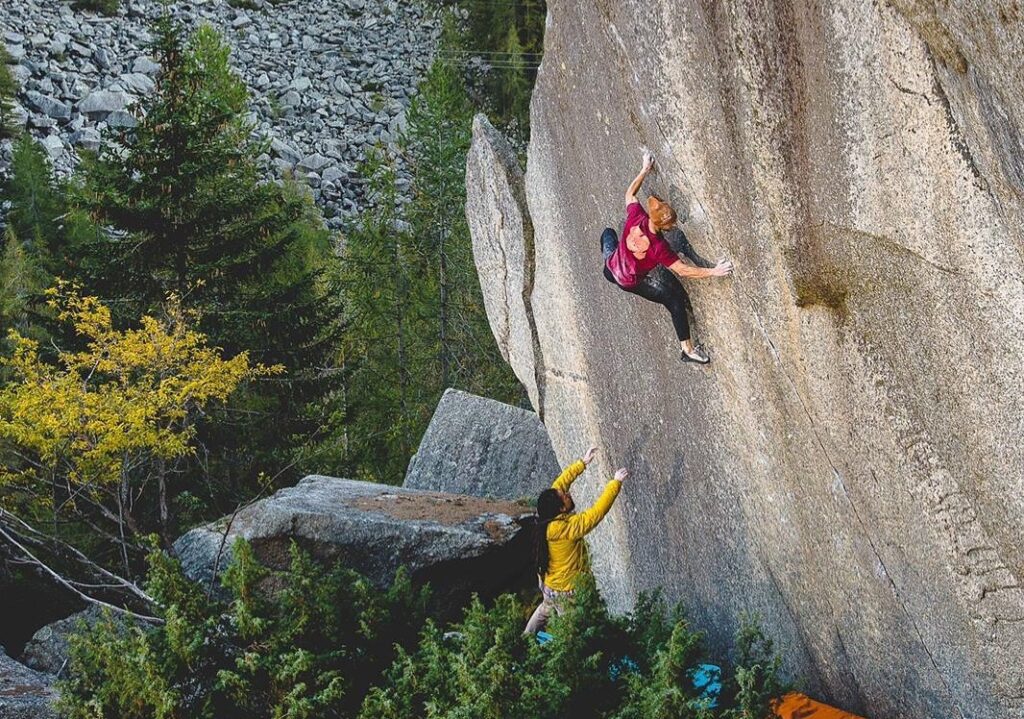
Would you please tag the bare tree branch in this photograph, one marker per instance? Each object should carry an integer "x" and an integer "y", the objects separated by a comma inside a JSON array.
[
  {"x": 4, "y": 534},
  {"x": 42, "y": 539}
]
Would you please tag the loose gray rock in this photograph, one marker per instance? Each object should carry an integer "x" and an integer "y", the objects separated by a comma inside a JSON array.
[
  {"x": 332, "y": 175},
  {"x": 138, "y": 83},
  {"x": 121, "y": 120},
  {"x": 102, "y": 58},
  {"x": 145, "y": 66},
  {"x": 485, "y": 448},
  {"x": 24, "y": 693},
  {"x": 314, "y": 163},
  {"x": 49, "y": 106},
  {"x": 285, "y": 151},
  {"x": 103, "y": 102},
  {"x": 70, "y": 59},
  {"x": 87, "y": 138},
  {"x": 459, "y": 544},
  {"x": 53, "y": 145},
  {"x": 47, "y": 650},
  {"x": 291, "y": 99}
]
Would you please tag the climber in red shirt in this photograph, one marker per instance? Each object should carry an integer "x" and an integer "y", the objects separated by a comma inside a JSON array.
[{"x": 632, "y": 265}]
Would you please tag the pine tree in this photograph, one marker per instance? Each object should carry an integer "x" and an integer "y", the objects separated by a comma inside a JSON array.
[
  {"x": 416, "y": 322},
  {"x": 34, "y": 241},
  {"x": 184, "y": 210},
  {"x": 38, "y": 204},
  {"x": 8, "y": 89},
  {"x": 514, "y": 104},
  {"x": 379, "y": 411},
  {"x": 18, "y": 283},
  {"x": 439, "y": 135}
]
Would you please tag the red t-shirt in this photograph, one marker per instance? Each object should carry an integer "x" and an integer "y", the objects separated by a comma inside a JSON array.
[{"x": 624, "y": 265}]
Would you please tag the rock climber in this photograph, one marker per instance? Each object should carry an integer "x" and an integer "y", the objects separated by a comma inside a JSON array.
[
  {"x": 632, "y": 265},
  {"x": 559, "y": 549}
]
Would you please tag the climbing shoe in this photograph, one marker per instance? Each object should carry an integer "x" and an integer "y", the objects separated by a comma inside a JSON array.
[{"x": 698, "y": 356}]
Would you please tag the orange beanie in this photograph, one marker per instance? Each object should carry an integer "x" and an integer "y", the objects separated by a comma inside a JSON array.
[{"x": 661, "y": 213}]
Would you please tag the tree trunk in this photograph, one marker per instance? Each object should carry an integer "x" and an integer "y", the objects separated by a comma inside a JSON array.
[{"x": 443, "y": 319}]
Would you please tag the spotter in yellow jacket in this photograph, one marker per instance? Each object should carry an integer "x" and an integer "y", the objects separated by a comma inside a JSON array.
[{"x": 562, "y": 554}]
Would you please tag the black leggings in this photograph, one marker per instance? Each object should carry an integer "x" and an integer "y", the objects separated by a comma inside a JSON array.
[{"x": 658, "y": 286}]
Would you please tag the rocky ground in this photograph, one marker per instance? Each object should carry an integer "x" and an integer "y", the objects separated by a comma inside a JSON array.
[{"x": 329, "y": 79}]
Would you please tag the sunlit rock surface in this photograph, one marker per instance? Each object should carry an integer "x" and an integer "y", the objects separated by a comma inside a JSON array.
[{"x": 849, "y": 466}]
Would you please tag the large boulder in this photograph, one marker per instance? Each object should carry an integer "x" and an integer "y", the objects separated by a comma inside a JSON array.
[
  {"x": 47, "y": 650},
  {"x": 849, "y": 466},
  {"x": 24, "y": 693},
  {"x": 484, "y": 448},
  {"x": 459, "y": 544}
]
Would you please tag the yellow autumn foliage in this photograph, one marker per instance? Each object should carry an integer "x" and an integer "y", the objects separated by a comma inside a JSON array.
[{"x": 129, "y": 397}]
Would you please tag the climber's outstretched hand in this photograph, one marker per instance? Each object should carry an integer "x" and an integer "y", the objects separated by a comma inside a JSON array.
[
  {"x": 722, "y": 269},
  {"x": 588, "y": 456},
  {"x": 648, "y": 161},
  {"x": 621, "y": 473}
]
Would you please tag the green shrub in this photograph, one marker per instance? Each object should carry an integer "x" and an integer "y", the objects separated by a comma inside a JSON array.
[
  {"x": 636, "y": 667},
  {"x": 306, "y": 642}
]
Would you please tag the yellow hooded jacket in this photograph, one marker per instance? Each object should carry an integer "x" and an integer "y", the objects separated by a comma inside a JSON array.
[{"x": 567, "y": 552}]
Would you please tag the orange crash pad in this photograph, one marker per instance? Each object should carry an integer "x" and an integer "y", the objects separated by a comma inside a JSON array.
[{"x": 800, "y": 706}]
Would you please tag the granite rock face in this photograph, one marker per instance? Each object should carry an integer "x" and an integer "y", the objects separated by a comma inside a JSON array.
[
  {"x": 503, "y": 251},
  {"x": 849, "y": 466},
  {"x": 459, "y": 544},
  {"x": 24, "y": 693},
  {"x": 483, "y": 448}
]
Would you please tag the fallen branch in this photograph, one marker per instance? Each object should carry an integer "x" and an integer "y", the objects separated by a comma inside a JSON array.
[
  {"x": 70, "y": 586},
  {"x": 43, "y": 539}
]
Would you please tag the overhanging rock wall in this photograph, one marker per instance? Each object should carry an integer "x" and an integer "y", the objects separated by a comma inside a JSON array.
[{"x": 850, "y": 464}]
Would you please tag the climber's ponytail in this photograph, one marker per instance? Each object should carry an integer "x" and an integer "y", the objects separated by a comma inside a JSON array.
[{"x": 549, "y": 506}]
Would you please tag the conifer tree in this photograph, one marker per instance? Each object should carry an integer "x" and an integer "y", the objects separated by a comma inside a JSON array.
[
  {"x": 515, "y": 87},
  {"x": 34, "y": 240},
  {"x": 381, "y": 410},
  {"x": 8, "y": 89},
  {"x": 38, "y": 203},
  {"x": 438, "y": 139},
  {"x": 18, "y": 283},
  {"x": 184, "y": 210},
  {"x": 414, "y": 309}
]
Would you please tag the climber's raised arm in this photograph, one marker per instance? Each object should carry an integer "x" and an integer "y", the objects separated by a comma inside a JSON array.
[
  {"x": 574, "y": 470},
  {"x": 577, "y": 526},
  {"x": 682, "y": 270},
  {"x": 634, "y": 186}
]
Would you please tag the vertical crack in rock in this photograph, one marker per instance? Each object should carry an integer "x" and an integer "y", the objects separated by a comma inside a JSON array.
[{"x": 529, "y": 272}]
